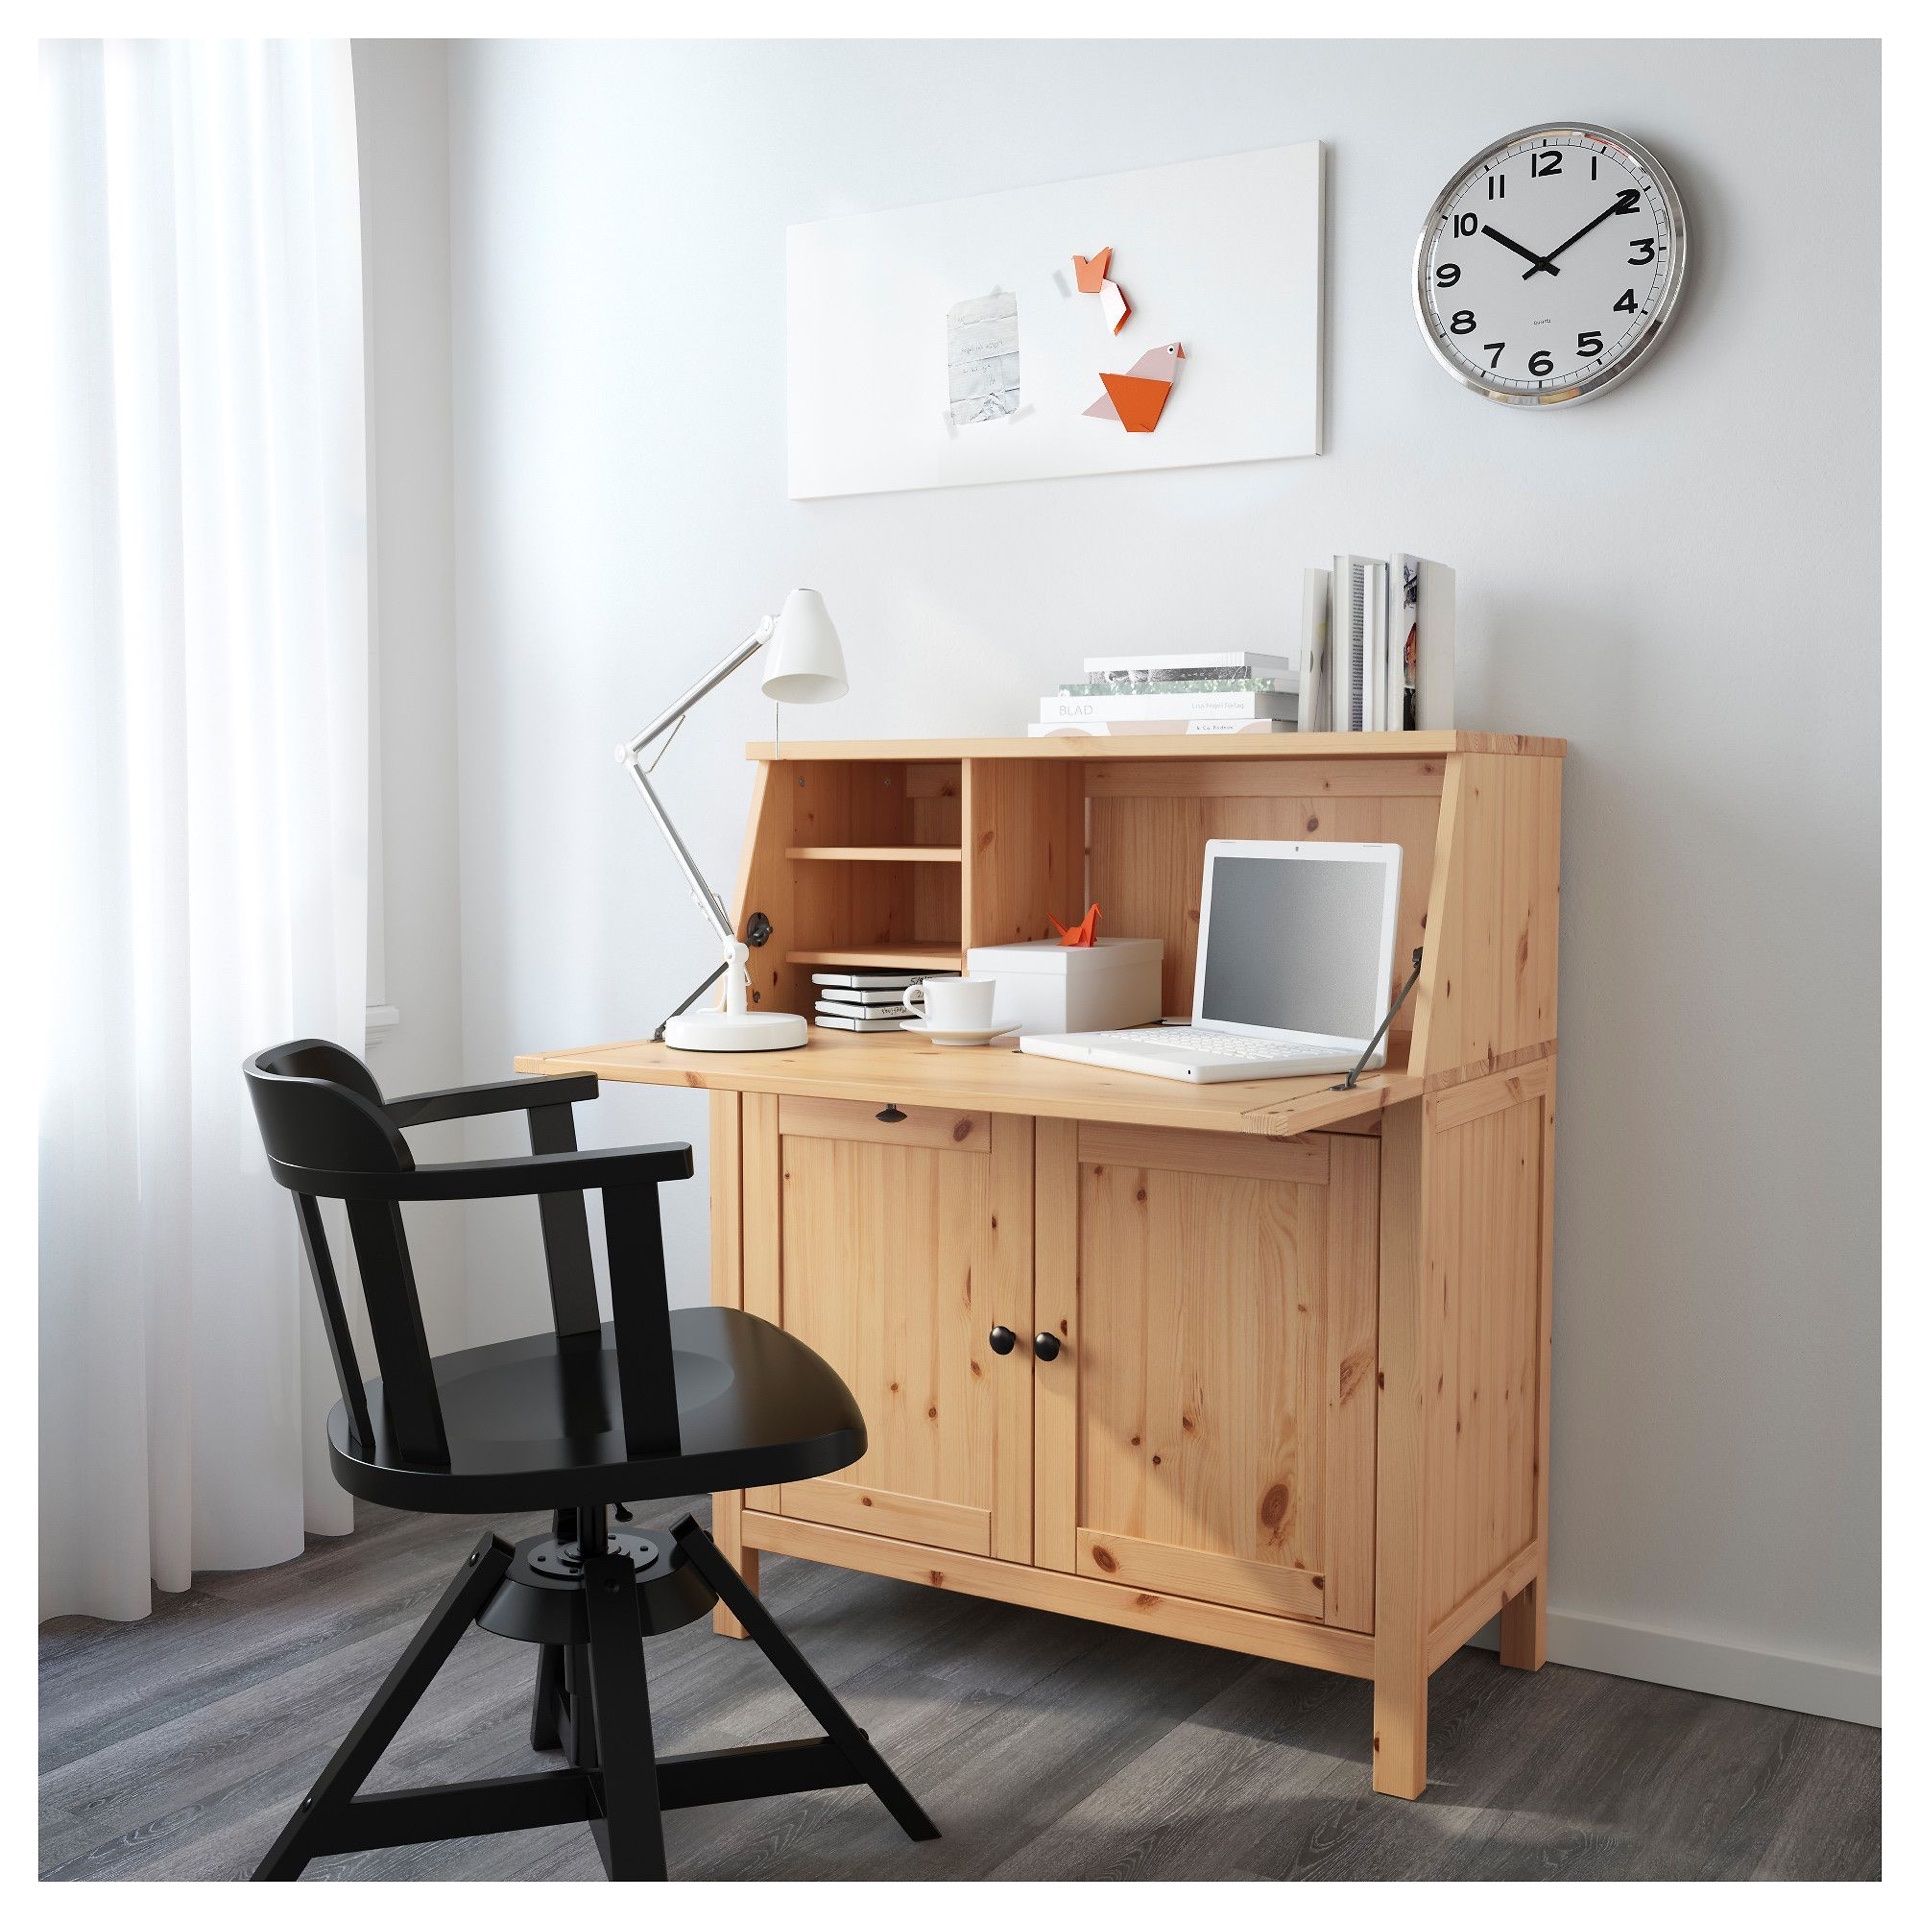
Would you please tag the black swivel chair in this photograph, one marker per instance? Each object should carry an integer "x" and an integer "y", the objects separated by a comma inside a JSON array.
[{"x": 651, "y": 1407}]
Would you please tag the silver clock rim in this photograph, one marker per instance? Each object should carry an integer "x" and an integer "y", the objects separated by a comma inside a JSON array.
[{"x": 1636, "y": 355}]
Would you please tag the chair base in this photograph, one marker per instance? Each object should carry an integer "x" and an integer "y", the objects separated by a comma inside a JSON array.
[
  {"x": 543, "y": 1596},
  {"x": 590, "y": 1700}
]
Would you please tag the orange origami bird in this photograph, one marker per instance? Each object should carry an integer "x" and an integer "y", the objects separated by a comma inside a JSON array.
[
  {"x": 1089, "y": 272},
  {"x": 1135, "y": 398},
  {"x": 1090, "y": 276},
  {"x": 1081, "y": 936}
]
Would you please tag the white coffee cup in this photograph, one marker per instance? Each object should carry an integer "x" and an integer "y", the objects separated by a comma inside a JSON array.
[{"x": 952, "y": 1006}]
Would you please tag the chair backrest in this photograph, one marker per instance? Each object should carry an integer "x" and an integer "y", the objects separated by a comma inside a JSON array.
[
  {"x": 320, "y": 1111},
  {"x": 318, "y": 1106}
]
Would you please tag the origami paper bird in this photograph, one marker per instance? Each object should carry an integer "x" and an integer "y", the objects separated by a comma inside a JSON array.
[
  {"x": 1081, "y": 936},
  {"x": 1135, "y": 398},
  {"x": 1090, "y": 276},
  {"x": 1088, "y": 273}
]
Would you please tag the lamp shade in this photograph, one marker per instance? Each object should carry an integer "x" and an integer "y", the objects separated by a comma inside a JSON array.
[{"x": 804, "y": 664}]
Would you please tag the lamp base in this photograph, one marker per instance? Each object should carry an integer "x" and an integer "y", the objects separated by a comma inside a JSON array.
[{"x": 712, "y": 1030}]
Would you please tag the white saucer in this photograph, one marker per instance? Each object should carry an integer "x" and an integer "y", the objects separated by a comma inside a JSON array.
[{"x": 962, "y": 1036}]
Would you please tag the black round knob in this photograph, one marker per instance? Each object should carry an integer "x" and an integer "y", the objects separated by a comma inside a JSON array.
[
  {"x": 1003, "y": 1340},
  {"x": 1046, "y": 1346}
]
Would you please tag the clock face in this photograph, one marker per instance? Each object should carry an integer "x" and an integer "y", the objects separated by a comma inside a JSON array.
[{"x": 1550, "y": 265}]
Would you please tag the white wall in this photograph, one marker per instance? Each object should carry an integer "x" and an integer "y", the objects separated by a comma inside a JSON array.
[
  {"x": 400, "y": 89},
  {"x": 1682, "y": 579}
]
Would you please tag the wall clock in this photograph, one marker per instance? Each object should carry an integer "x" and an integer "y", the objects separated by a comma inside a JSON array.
[{"x": 1550, "y": 265}]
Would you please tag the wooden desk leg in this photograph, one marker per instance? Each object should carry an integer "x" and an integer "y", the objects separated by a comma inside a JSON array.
[
  {"x": 727, "y": 1509},
  {"x": 1523, "y": 1620},
  {"x": 1399, "y": 1596},
  {"x": 1523, "y": 1628}
]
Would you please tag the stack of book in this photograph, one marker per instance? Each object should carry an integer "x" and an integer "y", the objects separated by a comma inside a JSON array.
[
  {"x": 867, "y": 1002},
  {"x": 1232, "y": 691},
  {"x": 1376, "y": 646}
]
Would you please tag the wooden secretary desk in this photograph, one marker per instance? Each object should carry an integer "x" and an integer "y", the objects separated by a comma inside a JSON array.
[{"x": 1262, "y": 1364}]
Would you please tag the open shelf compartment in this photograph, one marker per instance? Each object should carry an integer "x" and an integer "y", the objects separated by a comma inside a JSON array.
[{"x": 909, "y": 861}]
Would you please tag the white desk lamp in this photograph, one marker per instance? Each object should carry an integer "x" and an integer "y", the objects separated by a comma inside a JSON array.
[{"x": 804, "y": 665}]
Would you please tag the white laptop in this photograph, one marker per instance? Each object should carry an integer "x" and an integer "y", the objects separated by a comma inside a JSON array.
[{"x": 1295, "y": 970}]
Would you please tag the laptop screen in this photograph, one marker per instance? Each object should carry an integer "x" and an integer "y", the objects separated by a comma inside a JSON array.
[{"x": 1295, "y": 944}]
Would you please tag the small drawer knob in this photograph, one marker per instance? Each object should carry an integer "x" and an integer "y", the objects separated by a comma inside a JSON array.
[
  {"x": 1046, "y": 1346},
  {"x": 1003, "y": 1340}
]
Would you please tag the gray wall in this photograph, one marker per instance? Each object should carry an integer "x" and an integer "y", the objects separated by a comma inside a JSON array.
[{"x": 1682, "y": 579}]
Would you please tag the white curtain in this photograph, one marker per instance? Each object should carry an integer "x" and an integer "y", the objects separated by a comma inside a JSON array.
[{"x": 207, "y": 815}]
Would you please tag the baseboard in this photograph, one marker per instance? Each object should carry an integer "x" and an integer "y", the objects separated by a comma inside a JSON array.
[{"x": 1827, "y": 1688}]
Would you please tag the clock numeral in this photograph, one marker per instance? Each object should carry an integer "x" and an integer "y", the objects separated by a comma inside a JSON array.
[
  {"x": 1447, "y": 276},
  {"x": 1462, "y": 322},
  {"x": 1642, "y": 252},
  {"x": 1495, "y": 349},
  {"x": 1496, "y": 186},
  {"x": 1593, "y": 166},
  {"x": 1545, "y": 165},
  {"x": 1590, "y": 346},
  {"x": 1464, "y": 224},
  {"x": 1541, "y": 364},
  {"x": 1626, "y": 303},
  {"x": 1627, "y": 200}
]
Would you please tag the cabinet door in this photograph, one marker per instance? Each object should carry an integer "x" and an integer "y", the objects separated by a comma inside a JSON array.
[
  {"x": 892, "y": 1243},
  {"x": 1208, "y": 1426}
]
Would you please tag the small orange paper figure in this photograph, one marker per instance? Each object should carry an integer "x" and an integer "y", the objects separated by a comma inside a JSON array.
[
  {"x": 1088, "y": 273},
  {"x": 1136, "y": 398},
  {"x": 1090, "y": 276},
  {"x": 1081, "y": 936}
]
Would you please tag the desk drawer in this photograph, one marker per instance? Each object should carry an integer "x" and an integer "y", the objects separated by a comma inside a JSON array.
[{"x": 949, "y": 1128}]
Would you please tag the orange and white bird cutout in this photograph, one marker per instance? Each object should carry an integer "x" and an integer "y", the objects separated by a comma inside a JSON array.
[
  {"x": 1090, "y": 276},
  {"x": 1083, "y": 935},
  {"x": 1137, "y": 397}
]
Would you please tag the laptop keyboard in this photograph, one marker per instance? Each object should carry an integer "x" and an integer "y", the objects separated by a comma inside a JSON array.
[{"x": 1221, "y": 1046}]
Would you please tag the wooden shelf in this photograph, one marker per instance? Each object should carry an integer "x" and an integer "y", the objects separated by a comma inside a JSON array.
[
  {"x": 914, "y": 959},
  {"x": 1170, "y": 746},
  {"x": 949, "y": 855}
]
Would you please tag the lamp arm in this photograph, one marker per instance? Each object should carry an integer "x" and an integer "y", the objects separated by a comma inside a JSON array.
[
  {"x": 628, "y": 754},
  {"x": 738, "y": 658},
  {"x": 704, "y": 896}
]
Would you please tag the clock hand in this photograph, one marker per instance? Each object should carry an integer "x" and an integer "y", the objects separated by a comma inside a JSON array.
[
  {"x": 1525, "y": 253},
  {"x": 1598, "y": 218}
]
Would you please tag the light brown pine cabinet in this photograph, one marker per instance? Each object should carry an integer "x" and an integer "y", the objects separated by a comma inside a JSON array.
[{"x": 1263, "y": 1365}]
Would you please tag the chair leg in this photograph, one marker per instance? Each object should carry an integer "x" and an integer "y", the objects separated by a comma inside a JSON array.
[
  {"x": 632, "y": 1846},
  {"x": 792, "y": 1666},
  {"x": 544, "y": 1734},
  {"x": 576, "y": 1730},
  {"x": 549, "y": 1678},
  {"x": 306, "y": 1833}
]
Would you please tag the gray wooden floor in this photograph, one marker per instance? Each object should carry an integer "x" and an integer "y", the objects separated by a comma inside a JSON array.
[{"x": 174, "y": 1747}]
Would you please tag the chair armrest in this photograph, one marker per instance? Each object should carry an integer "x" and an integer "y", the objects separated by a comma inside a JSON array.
[
  {"x": 497, "y": 1096},
  {"x": 604, "y": 1167}
]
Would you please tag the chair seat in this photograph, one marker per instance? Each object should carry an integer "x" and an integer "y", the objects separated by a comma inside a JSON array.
[{"x": 537, "y": 1422}]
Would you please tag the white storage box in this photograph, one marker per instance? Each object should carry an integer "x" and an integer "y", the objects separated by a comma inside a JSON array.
[{"x": 1049, "y": 988}]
